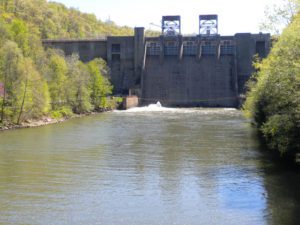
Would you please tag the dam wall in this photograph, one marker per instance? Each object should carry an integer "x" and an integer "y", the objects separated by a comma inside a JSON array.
[
  {"x": 183, "y": 71},
  {"x": 208, "y": 82},
  {"x": 87, "y": 49}
]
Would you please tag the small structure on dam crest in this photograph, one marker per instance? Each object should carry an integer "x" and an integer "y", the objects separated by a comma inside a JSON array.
[{"x": 206, "y": 70}]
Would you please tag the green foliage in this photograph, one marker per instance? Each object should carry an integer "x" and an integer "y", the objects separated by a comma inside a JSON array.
[
  {"x": 39, "y": 82},
  {"x": 274, "y": 97},
  {"x": 78, "y": 91},
  {"x": 279, "y": 132},
  {"x": 114, "y": 102},
  {"x": 34, "y": 92},
  {"x": 26, "y": 91},
  {"x": 63, "y": 112},
  {"x": 10, "y": 60},
  {"x": 57, "y": 80},
  {"x": 5, "y": 32},
  {"x": 54, "y": 20},
  {"x": 99, "y": 84},
  {"x": 20, "y": 35}
]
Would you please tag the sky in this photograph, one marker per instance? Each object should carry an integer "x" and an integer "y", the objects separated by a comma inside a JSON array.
[{"x": 234, "y": 15}]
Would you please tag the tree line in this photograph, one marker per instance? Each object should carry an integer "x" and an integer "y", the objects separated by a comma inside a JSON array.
[
  {"x": 273, "y": 99},
  {"x": 37, "y": 82},
  {"x": 54, "y": 20}
]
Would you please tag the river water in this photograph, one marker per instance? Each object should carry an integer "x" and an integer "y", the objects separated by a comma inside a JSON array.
[{"x": 145, "y": 166}]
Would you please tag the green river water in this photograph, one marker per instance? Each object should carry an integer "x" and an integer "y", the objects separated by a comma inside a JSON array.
[{"x": 145, "y": 166}]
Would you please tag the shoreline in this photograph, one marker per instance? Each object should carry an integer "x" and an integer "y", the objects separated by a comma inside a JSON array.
[{"x": 44, "y": 121}]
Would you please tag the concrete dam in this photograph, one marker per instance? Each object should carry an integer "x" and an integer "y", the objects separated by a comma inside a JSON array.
[{"x": 204, "y": 70}]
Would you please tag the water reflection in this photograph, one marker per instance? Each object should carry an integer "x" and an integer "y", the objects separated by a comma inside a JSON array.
[{"x": 183, "y": 166}]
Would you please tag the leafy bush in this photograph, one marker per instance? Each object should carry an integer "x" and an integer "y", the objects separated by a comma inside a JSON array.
[
  {"x": 279, "y": 132},
  {"x": 274, "y": 97},
  {"x": 63, "y": 112}
]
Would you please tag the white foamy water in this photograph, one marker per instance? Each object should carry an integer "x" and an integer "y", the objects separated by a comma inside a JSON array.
[
  {"x": 152, "y": 108},
  {"x": 160, "y": 109}
]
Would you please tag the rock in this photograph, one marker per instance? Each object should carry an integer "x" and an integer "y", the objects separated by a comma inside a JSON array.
[{"x": 47, "y": 120}]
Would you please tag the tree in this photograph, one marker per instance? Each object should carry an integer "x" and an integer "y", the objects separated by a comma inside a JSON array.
[
  {"x": 99, "y": 84},
  {"x": 20, "y": 35},
  {"x": 57, "y": 79},
  {"x": 26, "y": 93},
  {"x": 78, "y": 85},
  {"x": 7, "y": 5},
  {"x": 279, "y": 16},
  {"x": 5, "y": 32},
  {"x": 34, "y": 99},
  {"x": 10, "y": 57},
  {"x": 33, "y": 77},
  {"x": 274, "y": 97}
]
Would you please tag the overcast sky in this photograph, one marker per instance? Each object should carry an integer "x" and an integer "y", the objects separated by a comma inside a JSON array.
[{"x": 234, "y": 15}]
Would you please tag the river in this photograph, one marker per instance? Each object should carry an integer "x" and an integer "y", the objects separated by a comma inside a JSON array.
[{"x": 145, "y": 166}]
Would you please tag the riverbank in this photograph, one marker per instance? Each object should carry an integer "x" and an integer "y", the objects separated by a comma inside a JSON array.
[{"x": 46, "y": 120}]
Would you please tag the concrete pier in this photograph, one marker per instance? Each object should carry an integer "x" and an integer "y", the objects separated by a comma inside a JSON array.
[{"x": 130, "y": 102}]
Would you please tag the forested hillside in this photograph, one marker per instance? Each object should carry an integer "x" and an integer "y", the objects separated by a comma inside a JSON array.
[
  {"x": 274, "y": 97},
  {"x": 54, "y": 20},
  {"x": 35, "y": 82}
]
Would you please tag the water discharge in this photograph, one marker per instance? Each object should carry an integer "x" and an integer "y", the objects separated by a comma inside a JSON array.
[
  {"x": 160, "y": 109},
  {"x": 149, "y": 165}
]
